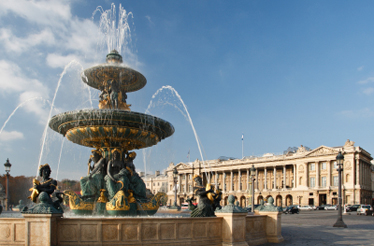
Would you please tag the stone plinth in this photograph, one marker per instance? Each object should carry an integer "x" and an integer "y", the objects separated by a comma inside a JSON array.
[
  {"x": 40, "y": 229},
  {"x": 233, "y": 229},
  {"x": 273, "y": 226}
]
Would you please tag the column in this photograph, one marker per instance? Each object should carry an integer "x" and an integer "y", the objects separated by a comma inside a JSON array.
[
  {"x": 256, "y": 179},
  {"x": 357, "y": 170},
  {"x": 328, "y": 182},
  {"x": 179, "y": 183},
  {"x": 294, "y": 176},
  {"x": 240, "y": 180},
  {"x": 216, "y": 179},
  {"x": 247, "y": 180},
  {"x": 265, "y": 179},
  {"x": 306, "y": 174},
  {"x": 224, "y": 181},
  {"x": 284, "y": 176},
  {"x": 317, "y": 175},
  {"x": 231, "y": 178},
  {"x": 275, "y": 178}
]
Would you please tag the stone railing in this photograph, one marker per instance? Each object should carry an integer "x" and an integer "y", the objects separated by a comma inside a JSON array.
[{"x": 225, "y": 229}]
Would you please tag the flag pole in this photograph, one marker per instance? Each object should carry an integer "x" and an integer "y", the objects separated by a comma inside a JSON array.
[{"x": 242, "y": 145}]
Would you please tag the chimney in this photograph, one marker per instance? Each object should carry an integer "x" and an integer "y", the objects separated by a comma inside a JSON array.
[
  {"x": 141, "y": 174},
  {"x": 157, "y": 173}
]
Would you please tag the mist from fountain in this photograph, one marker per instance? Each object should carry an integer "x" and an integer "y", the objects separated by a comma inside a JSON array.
[
  {"x": 20, "y": 105},
  {"x": 183, "y": 111},
  {"x": 44, "y": 136},
  {"x": 116, "y": 34}
]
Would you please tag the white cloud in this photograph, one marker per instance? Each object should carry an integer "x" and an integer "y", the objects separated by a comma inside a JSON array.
[
  {"x": 366, "y": 81},
  {"x": 52, "y": 13},
  {"x": 9, "y": 136},
  {"x": 18, "y": 45},
  {"x": 361, "y": 113},
  {"x": 360, "y": 68},
  {"x": 368, "y": 91}
]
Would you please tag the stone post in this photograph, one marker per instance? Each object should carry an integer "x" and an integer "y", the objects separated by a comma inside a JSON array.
[
  {"x": 273, "y": 226},
  {"x": 41, "y": 229}
]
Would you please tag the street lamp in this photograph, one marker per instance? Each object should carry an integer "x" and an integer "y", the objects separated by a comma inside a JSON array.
[
  {"x": 339, "y": 161},
  {"x": 253, "y": 173},
  {"x": 175, "y": 176},
  {"x": 7, "y": 166}
]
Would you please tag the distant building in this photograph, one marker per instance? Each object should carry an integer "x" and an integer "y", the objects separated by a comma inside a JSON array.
[
  {"x": 155, "y": 183},
  {"x": 302, "y": 176},
  {"x": 2, "y": 196}
]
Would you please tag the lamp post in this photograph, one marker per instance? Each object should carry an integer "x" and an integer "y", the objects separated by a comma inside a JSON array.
[
  {"x": 253, "y": 173},
  {"x": 175, "y": 176},
  {"x": 7, "y": 166},
  {"x": 339, "y": 161}
]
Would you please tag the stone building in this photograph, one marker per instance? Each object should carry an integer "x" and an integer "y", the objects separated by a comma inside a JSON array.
[
  {"x": 156, "y": 183},
  {"x": 302, "y": 177}
]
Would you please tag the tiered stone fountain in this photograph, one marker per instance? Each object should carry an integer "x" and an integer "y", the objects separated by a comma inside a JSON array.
[{"x": 113, "y": 130}]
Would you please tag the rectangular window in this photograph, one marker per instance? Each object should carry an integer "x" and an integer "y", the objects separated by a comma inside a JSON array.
[
  {"x": 190, "y": 188},
  {"x": 323, "y": 181},
  {"x": 312, "y": 166},
  {"x": 184, "y": 176},
  {"x": 312, "y": 182},
  {"x": 335, "y": 181},
  {"x": 335, "y": 164},
  {"x": 323, "y": 166}
]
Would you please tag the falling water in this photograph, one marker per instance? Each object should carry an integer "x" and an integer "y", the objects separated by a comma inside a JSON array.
[
  {"x": 116, "y": 34},
  {"x": 20, "y": 105},
  {"x": 184, "y": 112},
  {"x": 44, "y": 137},
  {"x": 59, "y": 158}
]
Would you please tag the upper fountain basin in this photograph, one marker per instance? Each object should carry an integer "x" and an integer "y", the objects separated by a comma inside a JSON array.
[
  {"x": 111, "y": 128},
  {"x": 129, "y": 80}
]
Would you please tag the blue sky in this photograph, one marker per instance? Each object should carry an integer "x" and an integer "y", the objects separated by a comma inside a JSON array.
[{"x": 283, "y": 73}]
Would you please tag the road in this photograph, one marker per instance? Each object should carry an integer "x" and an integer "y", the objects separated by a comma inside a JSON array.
[{"x": 316, "y": 228}]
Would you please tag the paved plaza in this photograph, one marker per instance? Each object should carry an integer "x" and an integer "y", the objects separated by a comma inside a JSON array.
[{"x": 315, "y": 228}]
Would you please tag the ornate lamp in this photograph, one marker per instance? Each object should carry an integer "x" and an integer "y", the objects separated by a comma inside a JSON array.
[
  {"x": 7, "y": 166},
  {"x": 175, "y": 176},
  {"x": 340, "y": 161}
]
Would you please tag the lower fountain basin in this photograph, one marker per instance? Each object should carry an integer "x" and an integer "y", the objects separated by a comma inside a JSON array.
[{"x": 111, "y": 128}]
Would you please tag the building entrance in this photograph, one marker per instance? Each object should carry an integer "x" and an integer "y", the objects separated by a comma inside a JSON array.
[
  {"x": 322, "y": 199},
  {"x": 334, "y": 201},
  {"x": 311, "y": 202}
]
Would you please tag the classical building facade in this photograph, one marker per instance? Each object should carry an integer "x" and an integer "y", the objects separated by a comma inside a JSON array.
[
  {"x": 302, "y": 177},
  {"x": 155, "y": 183}
]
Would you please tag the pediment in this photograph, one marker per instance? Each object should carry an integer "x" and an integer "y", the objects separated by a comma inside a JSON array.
[
  {"x": 322, "y": 150},
  {"x": 182, "y": 165}
]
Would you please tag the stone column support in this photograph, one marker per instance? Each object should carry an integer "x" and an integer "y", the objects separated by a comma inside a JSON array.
[
  {"x": 273, "y": 226},
  {"x": 224, "y": 181},
  {"x": 328, "y": 181},
  {"x": 231, "y": 179},
  {"x": 284, "y": 176},
  {"x": 248, "y": 179},
  {"x": 239, "y": 180},
  {"x": 275, "y": 178},
  {"x": 265, "y": 178},
  {"x": 317, "y": 174},
  {"x": 256, "y": 179},
  {"x": 294, "y": 176}
]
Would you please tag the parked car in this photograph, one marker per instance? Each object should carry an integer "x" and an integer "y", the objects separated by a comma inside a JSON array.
[
  {"x": 306, "y": 207},
  {"x": 293, "y": 209},
  {"x": 352, "y": 208},
  {"x": 331, "y": 207},
  {"x": 321, "y": 207},
  {"x": 184, "y": 205},
  {"x": 364, "y": 209}
]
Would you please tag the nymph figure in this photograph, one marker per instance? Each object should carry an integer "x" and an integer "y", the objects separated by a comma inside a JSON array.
[
  {"x": 113, "y": 93},
  {"x": 47, "y": 184},
  {"x": 204, "y": 208},
  {"x": 117, "y": 177},
  {"x": 94, "y": 182}
]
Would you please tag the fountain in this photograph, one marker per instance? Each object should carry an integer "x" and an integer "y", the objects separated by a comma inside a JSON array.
[{"x": 113, "y": 131}]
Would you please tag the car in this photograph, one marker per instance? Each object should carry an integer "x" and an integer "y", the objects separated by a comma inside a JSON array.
[
  {"x": 365, "y": 209},
  {"x": 293, "y": 209},
  {"x": 331, "y": 207},
  {"x": 321, "y": 207},
  {"x": 352, "y": 208},
  {"x": 184, "y": 205},
  {"x": 306, "y": 207}
]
